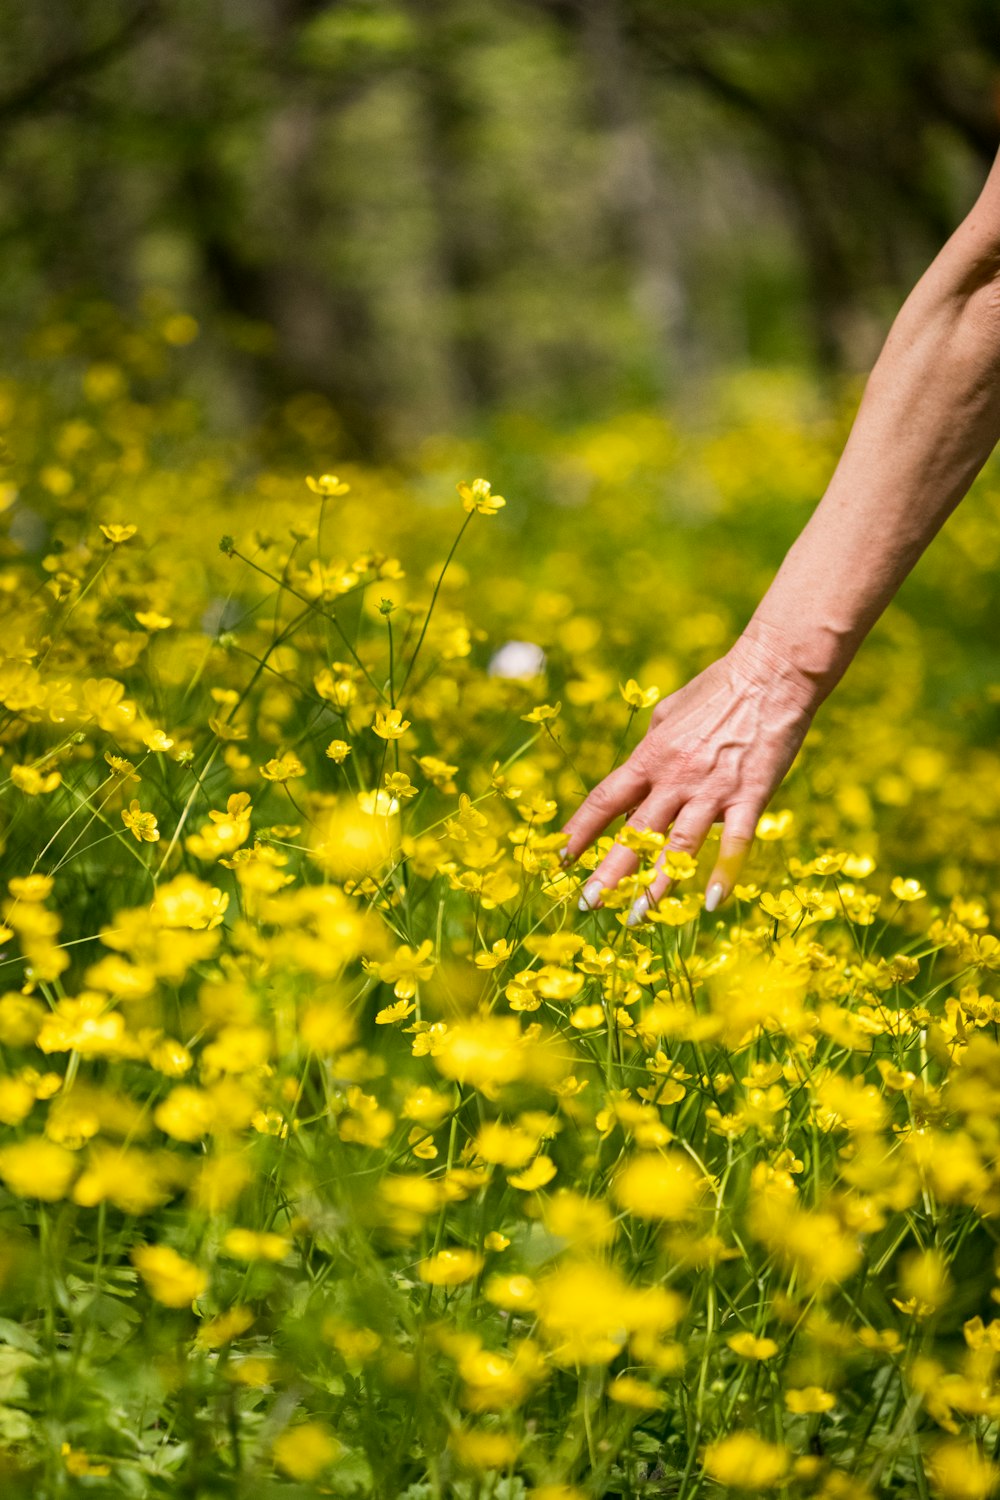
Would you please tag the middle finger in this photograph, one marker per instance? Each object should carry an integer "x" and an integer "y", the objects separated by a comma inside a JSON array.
[{"x": 654, "y": 814}]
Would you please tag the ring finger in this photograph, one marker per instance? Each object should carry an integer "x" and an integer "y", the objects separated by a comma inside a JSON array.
[{"x": 689, "y": 832}]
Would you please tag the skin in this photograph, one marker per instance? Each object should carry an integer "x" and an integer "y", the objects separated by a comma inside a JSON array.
[{"x": 717, "y": 750}]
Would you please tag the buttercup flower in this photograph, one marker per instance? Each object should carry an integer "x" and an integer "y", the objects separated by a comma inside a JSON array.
[
  {"x": 327, "y": 485},
  {"x": 141, "y": 825},
  {"x": 478, "y": 496},
  {"x": 171, "y": 1279}
]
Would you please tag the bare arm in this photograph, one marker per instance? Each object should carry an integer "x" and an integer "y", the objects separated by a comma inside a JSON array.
[{"x": 930, "y": 416}]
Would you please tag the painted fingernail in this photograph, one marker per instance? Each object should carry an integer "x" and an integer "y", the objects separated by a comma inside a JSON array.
[
  {"x": 713, "y": 895},
  {"x": 638, "y": 912},
  {"x": 564, "y": 855},
  {"x": 589, "y": 896}
]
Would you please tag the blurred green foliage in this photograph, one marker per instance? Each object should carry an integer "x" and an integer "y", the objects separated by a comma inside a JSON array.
[{"x": 428, "y": 209}]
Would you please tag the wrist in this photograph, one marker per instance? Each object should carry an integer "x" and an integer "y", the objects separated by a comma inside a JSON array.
[{"x": 802, "y": 672}]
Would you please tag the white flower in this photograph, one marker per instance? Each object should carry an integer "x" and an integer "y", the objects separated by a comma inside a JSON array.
[{"x": 518, "y": 659}]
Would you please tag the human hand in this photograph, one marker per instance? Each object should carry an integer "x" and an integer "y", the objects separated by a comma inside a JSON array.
[{"x": 716, "y": 750}]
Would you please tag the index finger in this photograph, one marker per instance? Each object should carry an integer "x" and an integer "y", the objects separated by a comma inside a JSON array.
[{"x": 619, "y": 791}]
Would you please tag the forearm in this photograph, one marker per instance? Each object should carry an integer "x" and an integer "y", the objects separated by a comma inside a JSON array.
[{"x": 929, "y": 418}]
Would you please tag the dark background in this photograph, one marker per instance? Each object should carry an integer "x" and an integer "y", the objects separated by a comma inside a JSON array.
[{"x": 434, "y": 210}]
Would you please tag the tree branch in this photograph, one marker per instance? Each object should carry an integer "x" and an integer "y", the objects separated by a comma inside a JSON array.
[{"x": 37, "y": 92}]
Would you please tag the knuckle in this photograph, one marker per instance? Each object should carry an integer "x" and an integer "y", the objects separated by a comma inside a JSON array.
[
  {"x": 742, "y": 818},
  {"x": 743, "y": 826},
  {"x": 682, "y": 839},
  {"x": 600, "y": 799},
  {"x": 643, "y": 757},
  {"x": 690, "y": 830},
  {"x": 640, "y": 818},
  {"x": 653, "y": 760}
]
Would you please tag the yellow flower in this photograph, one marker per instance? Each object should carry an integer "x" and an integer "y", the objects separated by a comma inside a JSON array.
[
  {"x": 506, "y": 1145},
  {"x": 33, "y": 782},
  {"x": 424, "y": 1105},
  {"x": 327, "y": 485},
  {"x": 556, "y": 1492},
  {"x": 499, "y": 953},
  {"x": 79, "y": 1465},
  {"x": 960, "y": 1472},
  {"x": 637, "y": 697},
  {"x": 252, "y": 1244},
  {"x": 37, "y": 1168},
  {"x": 170, "y": 1278},
  {"x": 485, "y": 1052},
  {"x": 907, "y": 890},
  {"x": 776, "y": 825},
  {"x": 585, "y": 1222},
  {"x": 843, "y": 1103},
  {"x": 338, "y": 750},
  {"x": 17, "y": 1099},
  {"x": 746, "y": 1461},
  {"x": 586, "y": 1311},
  {"x": 543, "y": 712},
  {"x": 484, "y": 1450},
  {"x": 157, "y": 741},
  {"x": 361, "y": 1344},
  {"x": 391, "y": 1013},
  {"x": 225, "y": 1327},
  {"x": 747, "y": 1346},
  {"x": 495, "y": 1241},
  {"x": 30, "y": 887},
  {"x": 675, "y": 911},
  {"x": 131, "y": 1180},
  {"x": 122, "y": 767},
  {"x": 189, "y": 902},
  {"x": 21, "y": 1018},
  {"x": 512, "y": 1293},
  {"x": 406, "y": 967},
  {"x": 303, "y": 1452},
  {"x": 450, "y": 1267},
  {"x": 924, "y": 1277},
  {"x": 478, "y": 497},
  {"x": 541, "y": 1171},
  {"x": 784, "y": 907},
  {"x": 116, "y": 534},
  {"x": 638, "y": 1393},
  {"x": 811, "y": 1398},
  {"x": 256, "y": 1372},
  {"x": 141, "y": 825},
  {"x": 587, "y": 1017},
  {"x": 438, "y": 772},
  {"x": 151, "y": 619},
  {"x": 284, "y": 767},
  {"x": 179, "y": 329},
  {"x": 391, "y": 725},
  {"x": 655, "y": 1185},
  {"x": 555, "y": 983}
]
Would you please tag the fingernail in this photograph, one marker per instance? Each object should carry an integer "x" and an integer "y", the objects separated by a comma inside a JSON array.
[
  {"x": 564, "y": 855},
  {"x": 638, "y": 912},
  {"x": 589, "y": 896},
  {"x": 713, "y": 895}
]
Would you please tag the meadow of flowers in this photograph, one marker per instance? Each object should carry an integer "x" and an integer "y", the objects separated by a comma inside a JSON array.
[{"x": 340, "y": 1153}]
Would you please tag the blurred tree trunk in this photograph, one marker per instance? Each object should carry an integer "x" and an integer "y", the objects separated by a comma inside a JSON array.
[
  {"x": 643, "y": 224},
  {"x": 463, "y": 268},
  {"x": 323, "y": 336}
]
